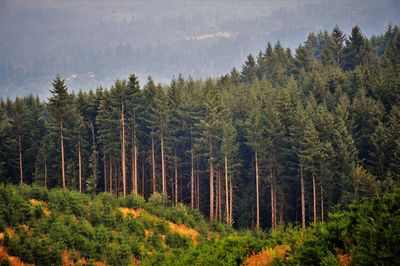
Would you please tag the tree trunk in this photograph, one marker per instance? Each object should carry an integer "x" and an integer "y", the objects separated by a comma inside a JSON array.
[
  {"x": 322, "y": 205},
  {"x": 21, "y": 172},
  {"x": 45, "y": 173},
  {"x": 142, "y": 176},
  {"x": 191, "y": 176},
  {"x": 231, "y": 201},
  {"x": 314, "y": 200},
  {"x": 62, "y": 154},
  {"x": 275, "y": 200},
  {"x": 219, "y": 197},
  {"x": 226, "y": 191},
  {"x": 257, "y": 194},
  {"x": 105, "y": 173},
  {"x": 198, "y": 186},
  {"x": 135, "y": 185},
  {"x": 164, "y": 184},
  {"x": 111, "y": 175},
  {"x": 123, "y": 152},
  {"x": 80, "y": 167},
  {"x": 153, "y": 162},
  {"x": 211, "y": 185},
  {"x": 303, "y": 203},
  {"x": 176, "y": 178},
  {"x": 272, "y": 204}
]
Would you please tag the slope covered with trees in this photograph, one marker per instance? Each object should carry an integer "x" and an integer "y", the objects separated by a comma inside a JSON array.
[{"x": 282, "y": 141}]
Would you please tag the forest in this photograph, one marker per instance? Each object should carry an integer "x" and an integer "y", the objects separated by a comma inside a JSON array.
[{"x": 280, "y": 143}]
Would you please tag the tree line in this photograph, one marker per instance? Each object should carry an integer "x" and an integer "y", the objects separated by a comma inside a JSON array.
[{"x": 283, "y": 140}]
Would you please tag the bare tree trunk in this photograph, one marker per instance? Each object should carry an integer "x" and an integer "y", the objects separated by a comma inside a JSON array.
[
  {"x": 303, "y": 204},
  {"x": 272, "y": 204},
  {"x": 45, "y": 173},
  {"x": 220, "y": 196},
  {"x": 80, "y": 166},
  {"x": 281, "y": 211},
  {"x": 176, "y": 178},
  {"x": 322, "y": 205},
  {"x": 275, "y": 200},
  {"x": 211, "y": 185},
  {"x": 135, "y": 184},
  {"x": 142, "y": 176},
  {"x": 153, "y": 162},
  {"x": 226, "y": 191},
  {"x": 231, "y": 201},
  {"x": 123, "y": 151},
  {"x": 191, "y": 176},
  {"x": 62, "y": 154},
  {"x": 164, "y": 183},
  {"x": 111, "y": 175},
  {"x": 257, "y": 194},
  {"x": 198, "y": 186},
  {"x": 21, "y": 172},
  {"x": 105, "y": 173},
  {"x": 314, "y": 200}
]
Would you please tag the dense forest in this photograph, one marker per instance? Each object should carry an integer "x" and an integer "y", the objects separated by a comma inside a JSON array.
[{"x": 282, "y": 141}]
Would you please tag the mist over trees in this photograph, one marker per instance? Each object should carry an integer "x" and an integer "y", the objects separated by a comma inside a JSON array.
[
  {"x": 96, "y": 43},
  {"x": 284, "y": 139}
]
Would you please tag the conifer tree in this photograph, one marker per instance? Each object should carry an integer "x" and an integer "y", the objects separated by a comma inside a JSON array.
[{"x": 59, "y": 107}]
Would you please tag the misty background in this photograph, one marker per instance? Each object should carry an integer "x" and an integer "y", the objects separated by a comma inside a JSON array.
[{"x": 92, "y": 43}]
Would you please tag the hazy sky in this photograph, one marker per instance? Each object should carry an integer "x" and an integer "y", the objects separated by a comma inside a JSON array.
[{"x": 92, "y": 43}]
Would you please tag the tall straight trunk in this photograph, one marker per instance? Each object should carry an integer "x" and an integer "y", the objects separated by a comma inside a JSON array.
[
  {"x": 176, "y": 178},
  {"x": 219, "y": 197},
  {"x": 80, "y": 166},
  {"x": 62, "y": 154},
  {"x": 322, "y": 205},
  {"x": 281, "y": 209},
  {"x": 105, "y": 173},
  {"x": 111, "y": 175},
  {"x": 116, "y": 178},
  {"x": 164, "y": 183},
  {"x": 45, "y": 173},
  {"x": 21, "y": 172},
  {"x": 135, "y": 190},
  {"x": 303, "y": 203},
  {"x": 153, "y": 163},
  {"x": 191, "y": 177},
  {"x": 275, "y": 201},
  {"x": 272, "y": 204},
  {"x": 257, "y": 194},
  {"x": 143, "y": 177},
  {"x": 314, "y": 200},
  {"x": 198, "y": 186},
  {"x": 226, "y": 191},
  {"x": 123, "y": 151},
  {"x": 211, "y": 185},
  {"x": 230, "y": 201}
]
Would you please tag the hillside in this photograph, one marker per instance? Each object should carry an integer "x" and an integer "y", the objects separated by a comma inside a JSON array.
[{"x": 57, "y": 227}]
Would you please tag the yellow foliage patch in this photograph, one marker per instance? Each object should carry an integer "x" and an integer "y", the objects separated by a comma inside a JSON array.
[
  {"x": 35, "y": 202},
  {"x": 185, "y": 231},
  {"x": 14, "y": 261},
  {"x": 128, "y": 211},
  {"x": 267, "y": 257},
  {"x": 1, "y": 235}
]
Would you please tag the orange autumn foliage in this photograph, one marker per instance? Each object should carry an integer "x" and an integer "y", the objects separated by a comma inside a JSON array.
[
  {"x": 267, "y": 257},
  {"x": 14, "y": 261}
]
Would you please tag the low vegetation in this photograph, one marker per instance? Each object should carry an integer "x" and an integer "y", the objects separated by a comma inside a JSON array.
[{"x": 61, "y": 227}]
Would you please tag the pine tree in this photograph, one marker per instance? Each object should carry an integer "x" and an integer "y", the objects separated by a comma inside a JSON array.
[
  {"x": 254, "y": 136},
  {"x": 59, "y": 106},
  {"x": 210, "y": 124}
]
